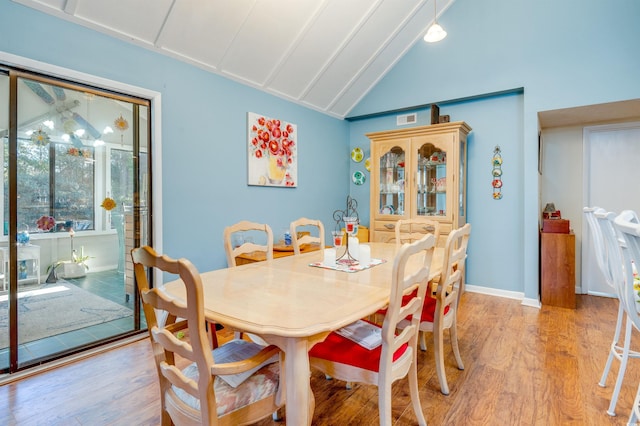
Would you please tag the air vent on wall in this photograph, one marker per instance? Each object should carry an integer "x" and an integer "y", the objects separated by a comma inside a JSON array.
[{"x": 401, "y": 120}]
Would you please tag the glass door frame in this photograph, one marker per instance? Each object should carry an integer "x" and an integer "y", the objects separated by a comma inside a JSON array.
[{"x": 12, "y": 173}]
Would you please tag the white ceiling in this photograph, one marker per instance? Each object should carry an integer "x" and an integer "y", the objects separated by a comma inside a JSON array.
[{"x": 323, "y": 54}]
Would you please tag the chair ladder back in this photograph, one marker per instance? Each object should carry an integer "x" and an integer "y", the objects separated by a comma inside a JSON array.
[
  {"x": 611, "y": 256},
  {"x": 453, "y": 263},
  {"x": 165, "y": 343},
  {"x": 306, "y": 239},
  {"x": 402, "y": 285},
  {"x": 247, "y": 247},
  {"x": 597, "y": 240}
]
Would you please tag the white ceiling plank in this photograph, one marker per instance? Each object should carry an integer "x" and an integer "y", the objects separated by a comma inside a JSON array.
[
  {"x": 323, "y": 54},
  {"x": 380, "y": 26},
  {"x": 268, "y": 32},
  {"x": 293, "y": 46},
  {"x": 204, "y": 33},
  {"x": 382, "y": 63},
  {"x": 70, "y": 6},
  {"x": 140, "y": 19},
  {"x": 383, "y": 51},
  {"x": 339, "y": 51},
  {"x": 161, "y": 34},
  {"x": 51, "y": 7},
  {"x": 319, "y": 46}
]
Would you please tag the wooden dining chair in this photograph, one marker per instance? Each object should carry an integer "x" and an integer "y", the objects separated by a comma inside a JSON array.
[
  {"x": 439, "y": 312},
  {"x": 607, "y": 253},
  {"x": 395, "y": 358},
  {"x": 245, "y": 247},
  {"x": 627, "y": 226},
  {"x": 410, "y": 230},
  {"x": 316, "y": 238},
  {"x": 199, "y": 386},
  {"x": 245, "y": 227}
]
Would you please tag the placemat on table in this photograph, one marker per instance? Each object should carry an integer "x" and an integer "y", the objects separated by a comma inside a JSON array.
[{"x": 349, "y": 268}]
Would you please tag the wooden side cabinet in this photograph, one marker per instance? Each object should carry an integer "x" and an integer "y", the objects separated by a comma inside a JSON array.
[{"x": 558, "y": 269}]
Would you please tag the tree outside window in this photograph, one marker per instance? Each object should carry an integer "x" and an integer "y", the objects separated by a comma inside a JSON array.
[{"x": 53, "y": 180}]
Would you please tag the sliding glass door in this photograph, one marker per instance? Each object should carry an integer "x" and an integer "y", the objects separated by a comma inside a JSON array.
[{"x": 75, "y": 197}]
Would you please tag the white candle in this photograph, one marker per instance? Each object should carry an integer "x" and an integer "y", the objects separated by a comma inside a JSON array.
[
  {"x": 354, "y": 247},
  {"x": 365, "y": 255},
  {"x": 329, "y": 257}
]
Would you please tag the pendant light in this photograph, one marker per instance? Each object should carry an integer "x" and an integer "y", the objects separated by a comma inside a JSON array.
[{"x": 435, "y": 31}]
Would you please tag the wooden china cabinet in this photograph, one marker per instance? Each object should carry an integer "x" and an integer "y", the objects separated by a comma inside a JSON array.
[{"x": 418, "y": 172}]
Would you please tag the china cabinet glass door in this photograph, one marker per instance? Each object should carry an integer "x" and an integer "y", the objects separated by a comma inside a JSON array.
[
  {"x": 392, "y": 182},
  {"x": 431, "y": 181}
]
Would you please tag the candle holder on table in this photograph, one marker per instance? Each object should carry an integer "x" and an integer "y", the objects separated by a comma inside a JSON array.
[{"x": 350, "y": 218}]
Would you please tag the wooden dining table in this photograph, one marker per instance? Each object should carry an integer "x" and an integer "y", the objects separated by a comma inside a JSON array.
[{"x": 293, "y": 305}]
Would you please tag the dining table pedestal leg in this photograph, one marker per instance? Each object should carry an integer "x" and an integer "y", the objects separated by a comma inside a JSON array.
[{"x": 300, "y": 402}]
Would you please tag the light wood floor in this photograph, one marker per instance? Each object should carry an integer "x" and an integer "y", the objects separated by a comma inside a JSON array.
[{"x": 523, "y": 366}]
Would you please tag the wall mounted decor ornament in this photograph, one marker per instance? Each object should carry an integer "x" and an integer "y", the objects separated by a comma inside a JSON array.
[
  {"x": 122, "y": 125},
  {"x": 272, "y": 152},
  {"x": 496, "y": 183}
]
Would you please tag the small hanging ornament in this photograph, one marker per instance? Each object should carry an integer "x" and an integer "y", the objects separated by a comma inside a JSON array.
[
  {"x": 122, "y": 125},
  {"x": 497, "y": 173},
  {"x": 108, "y": 204},
  {"x": 46, "y": 223},
  {"x": 79, "y": 152},
  {"x": 40, "y": 138}
]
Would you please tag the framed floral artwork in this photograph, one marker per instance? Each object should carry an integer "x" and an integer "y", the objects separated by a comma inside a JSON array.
[{"x": 272, "y": 152}]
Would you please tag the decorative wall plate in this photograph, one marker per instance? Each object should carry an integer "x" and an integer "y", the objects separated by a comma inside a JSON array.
[
  {"x": 357, "y": 155},
  {"x": 367, "y": 164},
  {"x": 358, "y": 177}
]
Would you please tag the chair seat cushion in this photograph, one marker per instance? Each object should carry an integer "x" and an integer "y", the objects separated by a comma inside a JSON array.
[
  {"x": 336, "y": 348},
  {"x": 428, "y": 309},
  {"x": 260, "y": 385}
]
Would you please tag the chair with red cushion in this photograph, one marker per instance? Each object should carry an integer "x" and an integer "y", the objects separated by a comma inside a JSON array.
[
  {"x": 439, "y": 312},
  {"x": 395, "y": 357}
]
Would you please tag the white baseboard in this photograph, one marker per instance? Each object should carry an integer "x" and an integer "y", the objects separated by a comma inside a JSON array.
[
  {"x": 600, "y": 294},
  {"x": 517, "y": 295}
]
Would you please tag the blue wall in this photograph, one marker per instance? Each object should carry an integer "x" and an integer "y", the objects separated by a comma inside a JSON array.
[
  {"x": 204, "y": 136},
  {"x": 558, "y": 52}
]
